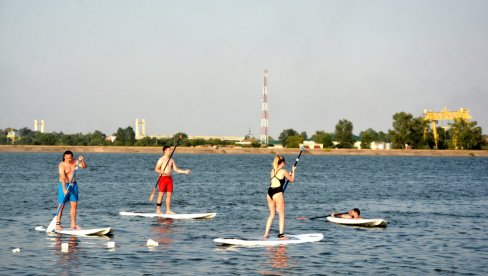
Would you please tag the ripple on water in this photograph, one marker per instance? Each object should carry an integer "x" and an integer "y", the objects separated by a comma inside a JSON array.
[{"x": 435, "y": 227}]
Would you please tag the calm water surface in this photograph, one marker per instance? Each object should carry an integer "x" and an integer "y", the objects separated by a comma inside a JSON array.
[{"x": 436, "y": 207}]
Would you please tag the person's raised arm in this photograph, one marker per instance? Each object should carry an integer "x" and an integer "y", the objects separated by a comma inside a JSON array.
[
  {"x": 178, "y": 170},
  {"x": 290, "y": 176}
]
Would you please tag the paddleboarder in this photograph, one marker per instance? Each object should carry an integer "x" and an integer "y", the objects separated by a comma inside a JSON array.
[
  {"x": 275, "y": 199},
  {"x": 352, "y": 214},
  {"x": 164, "y": 166},
  {"x": 66, "y": 171}
]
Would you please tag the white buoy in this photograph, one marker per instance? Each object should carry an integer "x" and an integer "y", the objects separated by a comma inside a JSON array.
[
  {"x": 152, "y": 243},
  {"x": 16, "y": 250},
  {"x": 40, "y": 228},
  {"x": 110, "y": 244},
  {"x": 64, "y": 246}
]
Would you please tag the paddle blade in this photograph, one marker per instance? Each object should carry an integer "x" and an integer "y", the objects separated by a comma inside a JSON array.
[
  {"x": 151, "y": 196},
  {"x": 52, "y": 225}
]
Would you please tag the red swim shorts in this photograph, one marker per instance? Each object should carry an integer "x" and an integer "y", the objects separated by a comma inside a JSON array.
[{"x": 165, "y": 184}]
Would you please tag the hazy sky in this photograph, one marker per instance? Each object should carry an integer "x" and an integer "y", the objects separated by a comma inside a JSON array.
[{"x": 197, "y": 66}]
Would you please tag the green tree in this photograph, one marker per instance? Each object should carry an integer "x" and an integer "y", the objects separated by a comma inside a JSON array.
[
  {"x": 466, "y": 135},
  {"x": 366, "y": 137},
  {"x": 3, "y": 137},
  {"x": 287, "y": 133},
  {"x": 323, "y": 137},
  {"x": 383, "y": 137},
  {"x": 294, "y": 141},
  {"x": 343, "y": 134},
  {"x": 27, "y": 136},
  {"x": 184, "y": 141},
  {"x": 125, "y": 137},
  {"x": 147, "y": 141},
  {"x": 408, "y": 130},
  {"x": 255, "y": 144},
  {"x": 401, "y": 129},
  {"x": 416, "y": 137},
  {"x": 66, "y": 140},
  {"x": 97, "y": 138},
  {"x": 443, "y": 135},
  {"x": 46, "y": 139}
]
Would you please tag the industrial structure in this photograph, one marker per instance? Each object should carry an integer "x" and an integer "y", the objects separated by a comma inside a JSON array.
[
  {"x": 264, "y": 111},
  {"x": 140, "y": 132},
  {"x": 444, "y": 115},
  {"x": 140, "y": 128},
  {"x": 39, "y": 125}
]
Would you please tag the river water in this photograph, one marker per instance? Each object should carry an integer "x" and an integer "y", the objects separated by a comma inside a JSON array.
[{"x": 436, "y": 207}]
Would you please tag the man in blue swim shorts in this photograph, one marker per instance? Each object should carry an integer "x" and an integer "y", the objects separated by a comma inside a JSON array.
[{"x": 66, "y": 176}]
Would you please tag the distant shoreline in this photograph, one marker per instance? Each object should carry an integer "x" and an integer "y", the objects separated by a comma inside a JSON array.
[{"x": 234, "y": 150}]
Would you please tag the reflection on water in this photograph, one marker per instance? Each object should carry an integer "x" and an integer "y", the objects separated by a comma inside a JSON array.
[
  {"x": 66, "y": 257},
  {"x": 277, "y": 260},
  {"x": 163, "y": 229},
  {"x": 277, "y": 256}
]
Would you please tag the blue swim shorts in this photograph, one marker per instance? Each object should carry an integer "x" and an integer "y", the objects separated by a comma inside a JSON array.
[{"x": 73, "y": 193}]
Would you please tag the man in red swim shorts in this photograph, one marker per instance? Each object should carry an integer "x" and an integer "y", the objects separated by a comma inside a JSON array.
[
  {"x": 165, "y": 184},
  {"x": 164, "y": 166}
]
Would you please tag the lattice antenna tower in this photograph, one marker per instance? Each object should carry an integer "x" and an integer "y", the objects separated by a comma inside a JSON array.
[{"x": 264, "y": 111}]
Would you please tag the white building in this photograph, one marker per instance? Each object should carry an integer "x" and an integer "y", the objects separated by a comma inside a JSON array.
[{"x": 311, "y": 145}]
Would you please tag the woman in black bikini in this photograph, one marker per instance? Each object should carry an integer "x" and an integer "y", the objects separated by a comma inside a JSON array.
[{"x": 276, "y": 201}]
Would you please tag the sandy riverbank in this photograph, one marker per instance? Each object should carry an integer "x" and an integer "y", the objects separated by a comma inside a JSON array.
[{"x": 225, "y": 150}]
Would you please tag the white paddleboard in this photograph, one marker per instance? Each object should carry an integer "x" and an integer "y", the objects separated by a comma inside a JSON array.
[
  {"x": 272, "y": 241},
  {"x": 170, "y": 216},
  {"x": 81, "y": 232},
  {"x": 359, "y": 222}
]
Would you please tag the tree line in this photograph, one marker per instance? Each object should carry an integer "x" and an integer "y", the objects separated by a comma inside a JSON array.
[
  {"x": 407, "y": 130},
  {"x": 124, "y": 137}
]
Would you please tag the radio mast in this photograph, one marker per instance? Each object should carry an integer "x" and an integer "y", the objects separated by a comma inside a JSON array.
[{"x": 264, "y": 111}]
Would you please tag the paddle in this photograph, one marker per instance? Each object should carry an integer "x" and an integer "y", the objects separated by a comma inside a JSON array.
[
  {"x": 52, "y": 225},
  {"x": 312, "y": 218},
  {"x": 294, "y": 165},
  {"x": 154, "y": 189}
]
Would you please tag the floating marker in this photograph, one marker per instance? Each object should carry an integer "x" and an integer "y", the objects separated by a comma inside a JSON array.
[
  {"x": 40, "y": 228},
  {"x": 16, "y": 250},
  {"x": 152, "y": 243}
]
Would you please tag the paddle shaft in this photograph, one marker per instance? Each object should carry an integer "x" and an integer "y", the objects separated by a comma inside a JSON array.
[
  {"x": 335, "y": 214},
  {"x": 294, "y": 165}
]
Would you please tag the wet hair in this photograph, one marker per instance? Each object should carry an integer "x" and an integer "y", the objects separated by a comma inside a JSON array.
[
  {"x": 165, "y": 147},
  {"x": 277, "y": 161},
  {"x": 68, "y": 152},
  {"x": 357, "y": 211}
]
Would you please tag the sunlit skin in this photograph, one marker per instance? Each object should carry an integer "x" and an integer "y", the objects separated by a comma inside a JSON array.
[
  {"x": 277, "y": 203},
  {"x": 350, "y": 215},
  {"x": 167, "y": 172},
  {"x": 66, "y": 170}
]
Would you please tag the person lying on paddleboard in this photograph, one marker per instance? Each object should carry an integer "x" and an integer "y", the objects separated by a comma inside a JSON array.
[
  {"x": 276, "y": 201},
  {"x": 165, "y": 183},
  {"x": 352, "y": 214},
  {"x": 66, "y": 171}
]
